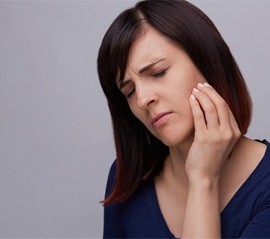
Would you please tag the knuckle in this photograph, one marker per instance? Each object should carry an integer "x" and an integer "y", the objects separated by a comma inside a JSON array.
[
  {"x": 198, "y": 116},
  {"x": 231, "y": 135},
  {"x": 223, "y": 103},
  {"x": 228, "y": 136},
  {"x": 238, "y": 133},
  {"x": 215, "y": 139},
  {"x": 210, "y": 109}
]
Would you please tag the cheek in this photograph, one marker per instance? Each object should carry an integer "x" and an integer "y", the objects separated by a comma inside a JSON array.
[
  {"x": 182, "y": 93},
  {"x": 181, "y": 101}
]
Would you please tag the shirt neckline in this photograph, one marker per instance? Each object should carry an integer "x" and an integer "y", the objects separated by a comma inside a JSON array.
[
  {"x": 158, "y": 212},
  {"x": 242, "y": 188}
]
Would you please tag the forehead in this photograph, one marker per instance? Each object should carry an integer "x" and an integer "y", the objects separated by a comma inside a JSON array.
[{"x": 149, "y": 47}]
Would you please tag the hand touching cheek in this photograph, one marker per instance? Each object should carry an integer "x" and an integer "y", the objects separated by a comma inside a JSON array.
[{"x": 216, "y": 133}]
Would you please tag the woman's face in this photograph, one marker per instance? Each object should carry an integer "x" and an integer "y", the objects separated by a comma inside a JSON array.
[{"x": 158, "y": 83}]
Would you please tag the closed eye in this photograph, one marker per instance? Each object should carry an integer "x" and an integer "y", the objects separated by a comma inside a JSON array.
[
  {"x": 159, "y": 74},
  {"x": 127, "y": 88},
  {"x": 130, "y": 93}
]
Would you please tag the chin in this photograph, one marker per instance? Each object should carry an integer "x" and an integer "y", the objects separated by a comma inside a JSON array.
[
  {"x": 174, "y": 140},
  {"x": 171, "y": 142}
]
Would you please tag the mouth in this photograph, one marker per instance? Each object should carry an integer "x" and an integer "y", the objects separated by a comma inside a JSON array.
[{"x": 160, "y": 118}]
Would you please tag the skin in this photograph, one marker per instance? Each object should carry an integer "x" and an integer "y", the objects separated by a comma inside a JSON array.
[
  {"x": 208, "y": 159},
  {"x": 177, "y": 76}
]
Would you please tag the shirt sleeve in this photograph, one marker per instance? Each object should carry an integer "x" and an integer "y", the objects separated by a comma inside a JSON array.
[
  {"x": 259, "y": 225},
  {"x": 111, "y": 219}
]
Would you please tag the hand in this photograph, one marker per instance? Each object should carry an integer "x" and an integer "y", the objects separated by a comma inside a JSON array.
[{"x": 216, "y": 133}]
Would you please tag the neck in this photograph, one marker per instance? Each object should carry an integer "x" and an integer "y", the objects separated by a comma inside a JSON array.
[{"x": 174, "y": 167}]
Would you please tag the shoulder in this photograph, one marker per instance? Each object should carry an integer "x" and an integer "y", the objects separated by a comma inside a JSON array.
[
  {"x": 246, "y": 186},
  {"x": 247, "y": 155},
  {"x": 251, "y": 165},
  {"x": 111, "y": 179},
  {"x": 146, "y": 189},
  {"x": 246, "y": 162},
  {"x": 251, "y": 157},
  {"x": 112, "y": 170},
  {"x": 135, "y": 216}
]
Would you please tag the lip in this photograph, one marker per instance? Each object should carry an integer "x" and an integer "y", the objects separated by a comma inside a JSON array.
[{"x": 160, "y": 119}]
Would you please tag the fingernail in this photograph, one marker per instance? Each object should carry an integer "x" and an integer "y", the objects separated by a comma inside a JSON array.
[
  {"x": 206, "y": 84},
  {"x": 201, "y": 85},
  {"x": 195, "y": 90},
  {"x": 192, "y": 97}
]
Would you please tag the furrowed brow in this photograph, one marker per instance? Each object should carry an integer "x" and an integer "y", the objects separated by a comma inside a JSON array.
[
  {"x": 122, "y": 83},
  {"x": 146, "y": 68}
]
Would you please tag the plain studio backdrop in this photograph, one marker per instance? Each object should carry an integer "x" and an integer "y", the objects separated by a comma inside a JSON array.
[{"x": 56, "y": 143}]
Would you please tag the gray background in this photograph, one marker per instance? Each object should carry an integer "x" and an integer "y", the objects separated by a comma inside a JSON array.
[{"x": 55, "y": 133}]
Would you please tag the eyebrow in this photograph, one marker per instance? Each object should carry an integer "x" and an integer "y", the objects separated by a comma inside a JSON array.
[{"x": 149, "y": 66}]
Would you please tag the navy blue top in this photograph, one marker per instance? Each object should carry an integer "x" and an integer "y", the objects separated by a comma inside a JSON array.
[{"x": 247, "y": 215}]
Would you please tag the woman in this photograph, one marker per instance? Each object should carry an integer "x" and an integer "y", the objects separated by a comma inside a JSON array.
[{"x": 180, "y": 109}]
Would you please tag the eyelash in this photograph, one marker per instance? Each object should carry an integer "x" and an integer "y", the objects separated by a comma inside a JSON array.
[
  {"x": 130, "y": 93},
  {"x": 159, "y": 74},
  {"x": 156, "y": 75}
]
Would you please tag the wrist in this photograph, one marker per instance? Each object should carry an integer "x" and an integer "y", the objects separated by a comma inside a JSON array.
[{"x": 203, "y": 182}]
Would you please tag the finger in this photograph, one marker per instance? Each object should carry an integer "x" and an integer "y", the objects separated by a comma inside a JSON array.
[
  {"x": 221, "y": 106},
  {"x": 209, "y": 109},
  {"x": 226, "y": 117},
  {"x": 233, "y": 123},
  {"x": 199, "y": 120}
]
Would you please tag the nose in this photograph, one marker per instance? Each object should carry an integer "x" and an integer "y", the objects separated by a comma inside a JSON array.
[{"x": 146, "y": 96}]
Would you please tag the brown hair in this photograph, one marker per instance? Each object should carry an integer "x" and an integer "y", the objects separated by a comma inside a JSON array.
[{"x": 193, "y": 31}]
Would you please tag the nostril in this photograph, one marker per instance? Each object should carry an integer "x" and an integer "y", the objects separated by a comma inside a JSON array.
[{"x": 145, "y": 102}]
